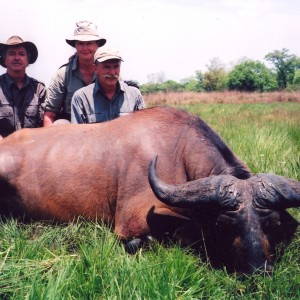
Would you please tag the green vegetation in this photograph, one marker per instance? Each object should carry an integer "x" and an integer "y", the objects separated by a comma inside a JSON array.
[
  {"x": 85, "y": 260},
  {"x": 265, "y": 136},
  {"x": 285, "y": 65},
  {"x": 247, "y": 75},
  {"x": 251, "y": 76}
]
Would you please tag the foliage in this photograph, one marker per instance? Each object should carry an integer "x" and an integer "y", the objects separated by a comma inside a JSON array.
[
  {"x": 215, "y": 79},
  {"x": 285, "y": 65},
  {"x": 194, "y": 83},
  {"x": 171, "y": 85},
  {"x": 199, "y": 77},
  {"x": 193, "y": 86},
  {"x": 150, "y": 88},
  {"x": 295, "y": 86},
  {"x": 167, "y": 86},
  {"x": 247, "y": 75},
  {"x": 251, "y": 76}
]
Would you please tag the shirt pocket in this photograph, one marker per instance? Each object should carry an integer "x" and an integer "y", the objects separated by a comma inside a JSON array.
[
  {"x": 31, "y": 116},
  {"x": 6, "y": 120},
  {"x": 6, "y": 111}
]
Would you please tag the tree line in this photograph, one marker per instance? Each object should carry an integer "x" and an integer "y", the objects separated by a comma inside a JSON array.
[{"x": 247, "y": 75}]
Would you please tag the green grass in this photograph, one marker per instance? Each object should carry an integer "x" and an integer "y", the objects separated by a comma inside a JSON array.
[
  {"x": 85, "y": 260},
  {"x": 265, "y": 136}
]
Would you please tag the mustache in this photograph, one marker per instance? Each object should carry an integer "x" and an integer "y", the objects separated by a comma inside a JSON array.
[{"x": 111, "y": 76}]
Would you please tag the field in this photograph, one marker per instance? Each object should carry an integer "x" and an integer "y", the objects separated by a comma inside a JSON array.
[
  {"x": 85, "y": 261},
  {"x": 226, "y": 97}
]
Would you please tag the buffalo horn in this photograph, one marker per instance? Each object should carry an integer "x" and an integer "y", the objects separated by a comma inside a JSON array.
[
  {"x": 276, "y": 192},
  {"x": 220, "y": 191}
]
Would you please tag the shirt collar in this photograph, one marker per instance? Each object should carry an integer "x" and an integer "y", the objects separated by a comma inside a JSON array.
[
  {"x": 120, "y": 86},
  {"x": 9, "y": 81},
  {"x": 74, "y": 63},
  {"x": 75, "y": 66}
]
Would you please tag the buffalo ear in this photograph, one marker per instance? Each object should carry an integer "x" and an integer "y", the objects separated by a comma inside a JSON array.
[
  {"x": 162, "y": 221},
  {"x": 276, "y": 192}
]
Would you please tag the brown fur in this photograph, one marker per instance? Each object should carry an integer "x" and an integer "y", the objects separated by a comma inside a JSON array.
[
  {"x": 99, "y": 171},
  {"x": 93, "y": 170}
]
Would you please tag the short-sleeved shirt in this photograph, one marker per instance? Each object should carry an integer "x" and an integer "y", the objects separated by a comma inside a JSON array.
[
  {"x": 20, "y": 108},
  {"x": 90, "y": 105},
  {"x": 65, "y": 82}
]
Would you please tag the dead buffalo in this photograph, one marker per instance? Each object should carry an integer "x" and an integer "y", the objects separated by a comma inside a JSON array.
[{"x": 100, "y": 171}]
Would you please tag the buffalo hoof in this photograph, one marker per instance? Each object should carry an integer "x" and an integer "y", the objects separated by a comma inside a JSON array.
[
  {"x": 133, "y": 246},
  {"x": 150, "y": 239}
]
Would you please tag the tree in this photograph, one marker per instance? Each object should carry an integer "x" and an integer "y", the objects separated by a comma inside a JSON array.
[
  {"x": 295, "y": 86},
  {"x": 150, "y": 88},
  {"x": 171, "y": 86},
  {"x": 296, "y": 80},
  {"x": 215, "y": 79},
  {"x": 199, "y": 77},
  {"x": 251, "y": 76},
  {"x": 193, "y": 84},
  {"x": 285, "y": 66}
]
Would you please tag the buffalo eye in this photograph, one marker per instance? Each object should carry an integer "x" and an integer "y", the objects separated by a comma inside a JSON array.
[
  {"x": 226, "y": 222},
  {"x": 271, "y": 222}
]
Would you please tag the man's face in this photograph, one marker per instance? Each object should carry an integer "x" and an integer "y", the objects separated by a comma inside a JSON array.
[
  {"x": 108, "y": 72},
  {"x": 16, "y": 59},
  {"x": 86, "y": 50}
]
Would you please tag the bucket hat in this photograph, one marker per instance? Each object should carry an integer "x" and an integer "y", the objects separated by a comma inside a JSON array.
[
  {"x": 17, "y": 41},
  {"x": 85, "y": 31},
  {"x": 106, "y": 53}
]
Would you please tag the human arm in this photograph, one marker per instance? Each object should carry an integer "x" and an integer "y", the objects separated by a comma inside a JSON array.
[
  {"x": 56, "y": 95},
  {"x": 78, "y": 114},
  {"x": 140, "y": 103},
  {"x": 41, "y": 94},
  {"x": 49, "y": 118}
]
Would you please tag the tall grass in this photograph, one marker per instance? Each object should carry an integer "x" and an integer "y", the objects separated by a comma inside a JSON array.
[
  {"x": 191, "y": 98},
  {"x": 264, "y": 135},
  {"x": 85, "y": 260}
]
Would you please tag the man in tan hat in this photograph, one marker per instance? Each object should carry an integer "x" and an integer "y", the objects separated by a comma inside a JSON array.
[
  {"x": 107, "y": 98},
  {"x": 21, "y": 96},
  {"x": 77, "y": 73}
]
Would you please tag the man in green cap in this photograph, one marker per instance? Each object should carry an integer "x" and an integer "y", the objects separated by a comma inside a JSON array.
[
  {"x": 21, "y": 96},
  {"x": 109, "y": 97}
]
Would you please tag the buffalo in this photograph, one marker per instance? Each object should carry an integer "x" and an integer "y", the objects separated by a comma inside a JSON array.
[{"x": 160, "y": 173}]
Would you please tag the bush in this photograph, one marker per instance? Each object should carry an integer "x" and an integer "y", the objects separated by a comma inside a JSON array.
[{"x": 250, "y": 76}]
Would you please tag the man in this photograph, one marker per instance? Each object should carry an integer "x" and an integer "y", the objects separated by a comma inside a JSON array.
[
  {"x": 77, "y": 73},
  {"x": 21, "y": 97},
  {"x": 107, "y": 98}
]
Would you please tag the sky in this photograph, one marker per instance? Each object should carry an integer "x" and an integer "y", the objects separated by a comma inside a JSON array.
[{"x": 166, "y": 39}]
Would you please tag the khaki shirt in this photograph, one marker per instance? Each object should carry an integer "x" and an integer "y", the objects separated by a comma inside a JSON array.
[
  {"x": 20, "y": 108},
  {"x": 90, "y": 105},
  {"x": 63, "y": 85}
]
